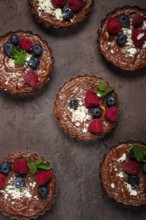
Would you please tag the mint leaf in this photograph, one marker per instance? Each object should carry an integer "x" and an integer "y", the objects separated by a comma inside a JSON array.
[
  {"x": 16, "y": 52},
  {"x": 138, "y": 152},
  {"x": 38, "y": 162},
  {"x": 44, "y": 166},
  {"x": 21, "y": 59},
  {"x": 32, "y": 167},
  {"x": 107, "y": 91},
  {"x": 101, "y": 86}
]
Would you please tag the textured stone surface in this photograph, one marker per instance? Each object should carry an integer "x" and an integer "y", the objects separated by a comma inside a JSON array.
[{"x": 29, "y": 123}]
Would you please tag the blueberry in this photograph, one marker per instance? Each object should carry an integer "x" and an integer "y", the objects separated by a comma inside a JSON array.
[
  {"x": 121, "y": 39},
  {"x": 34, "y": 62},
  {"x": 19, "y": 182},
  {"x": 73, "y": 104},
  {"x": 133, "y": 179},
  {"x": 144, "y": 168},
  {"x": 14, "y": 39},
  {"x": 8, "y": 48},
  {"x": 111, "y": 100},
  {"x": 125, "y": 20},
  {"x": 96, "y": 112},
  {"x": 43, "y": 192},
  {"x": 37, "y": 49},
  {"x": 67, "y": 14},
  {"x": 131, "y": 154},
  {"x": 5, "y": 168}
]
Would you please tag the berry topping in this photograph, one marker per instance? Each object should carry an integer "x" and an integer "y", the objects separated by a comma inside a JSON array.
[
  {"x": 125, "y": 20},
  {"x": 14, "y": 39},
  {"x": 43, "y": 192},
  {"x": 76, "y": 5},
  {"x": 73, "y": 104},
  {"x": 113, "y": 25},
  {"x": 111, "y": 100},
  {"x": 34, "y": 62},
  {"x": 37, "y": 49},
  {"x": 58, "y": 3},
  {"x": 131, "y": 154},
  {"x": 8, "y": 47},
  {"x": 2, "y": 180},
  {"x": 144, "y": 168},
  {"x": 5, "y": 167},
  {"x": 137, "y": 20},
  {"x": 67, "y": 14},
  {"x": 131, "y": 167},
  {"x": 20, "y": 166},
  {"x": 19, "y": 182},
  {"x": 95, "y": 127},
  {"x": 25, "y": 44},
  {"x": 111, "y": 113},
  {"x": 133, "y": 179},
  {"x": 138, "y": 37},
  {"x": 91, "y": 99},
  {"x": 31, "y": 78},
  {"x": 43, "y": 177},
  {"x": 96, "y": 112},
  {"x": 121, "y": 39}
]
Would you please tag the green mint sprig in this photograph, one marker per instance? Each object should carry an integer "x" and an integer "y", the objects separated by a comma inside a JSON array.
[
  {"x": 38, "y": 165},
  {"x": 139, "y": 153},
  {"x": 19, "y": 56},
  {"x": 102, "y": 90}
]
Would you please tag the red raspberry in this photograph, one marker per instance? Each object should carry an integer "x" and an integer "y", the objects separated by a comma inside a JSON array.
[
  {"x": 76, "y": 5},
  {"x": 137, "y": 20},
  {"x": 113, "y": 25},
  {"x": 20, "y": 166},
  {"x": 2, "y": 180},
  {"x": 131, "y": 167},
  {"x": 91, "y": 99},
  {"x": 95, "y": 127},
  {"x": 31, "y": 78},
  {"x": 58, "y": 3},
  {"x": 43, "y": 177},
  {"x": 111, "y": 113},
  {"x": 25, "y": 44},
  {"x": 138, "y": 37}
]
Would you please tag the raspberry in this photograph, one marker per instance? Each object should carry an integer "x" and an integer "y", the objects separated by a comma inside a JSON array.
[
  {"x": 138, "y": 37},
  {"x": 113, "y": 25},
  {"x": 95, "y": 127},
  {"x": 137, "y": 20},
  {"x": 25, "y": 44},
  {"x": 76, "y": 5},
  {"x": 58, "y": 3},
  {"x": 131, "y": 167},
  {"x": 31, "y": 78},
  {"x": 20, "y": 166},
  {"x": 111, "y": 113},
  {"x": 43, "y": 177},
  {"x": 91, "y": 99},
  {"x": 2, "y": 180}
]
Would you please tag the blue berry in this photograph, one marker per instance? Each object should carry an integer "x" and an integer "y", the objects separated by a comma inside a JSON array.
[
  {"x": 37, "y": 49},
  {"x": 111, "y": 100},
  {"x": 73, "y": 104},
  {"x": 121, "y": 39},
  {"x": 43, "y": 192},
  {"x": 133, "y": 180},
  {"x": 131, "y": 154},
  {"x": 144, "y": 168},
  {"x": 67, "y": 14},
  {"x": 19, "y": 182},
  {"x": 14, "y": 39},
  {"x": 34, "y": 62},
  {"x": 96, "y": 112},
  {"x": 125, "y": 20},
  {"x": 8, "y": 47},
  {"x": 5, "y": 168}
]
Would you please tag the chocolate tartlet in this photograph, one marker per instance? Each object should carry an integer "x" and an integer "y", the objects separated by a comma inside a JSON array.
[
  {"x": 87, "y": 107},
  {"x": 122, "y": 38},
  {"x": 27, "y": 185},
  {"x": 26, "y": 62},
  {"x": 60, "y": 13},
  {"x": 123, "y": 173}
]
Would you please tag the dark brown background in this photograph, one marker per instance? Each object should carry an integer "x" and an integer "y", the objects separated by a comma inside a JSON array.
[{"x": 29, "y": 123}]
